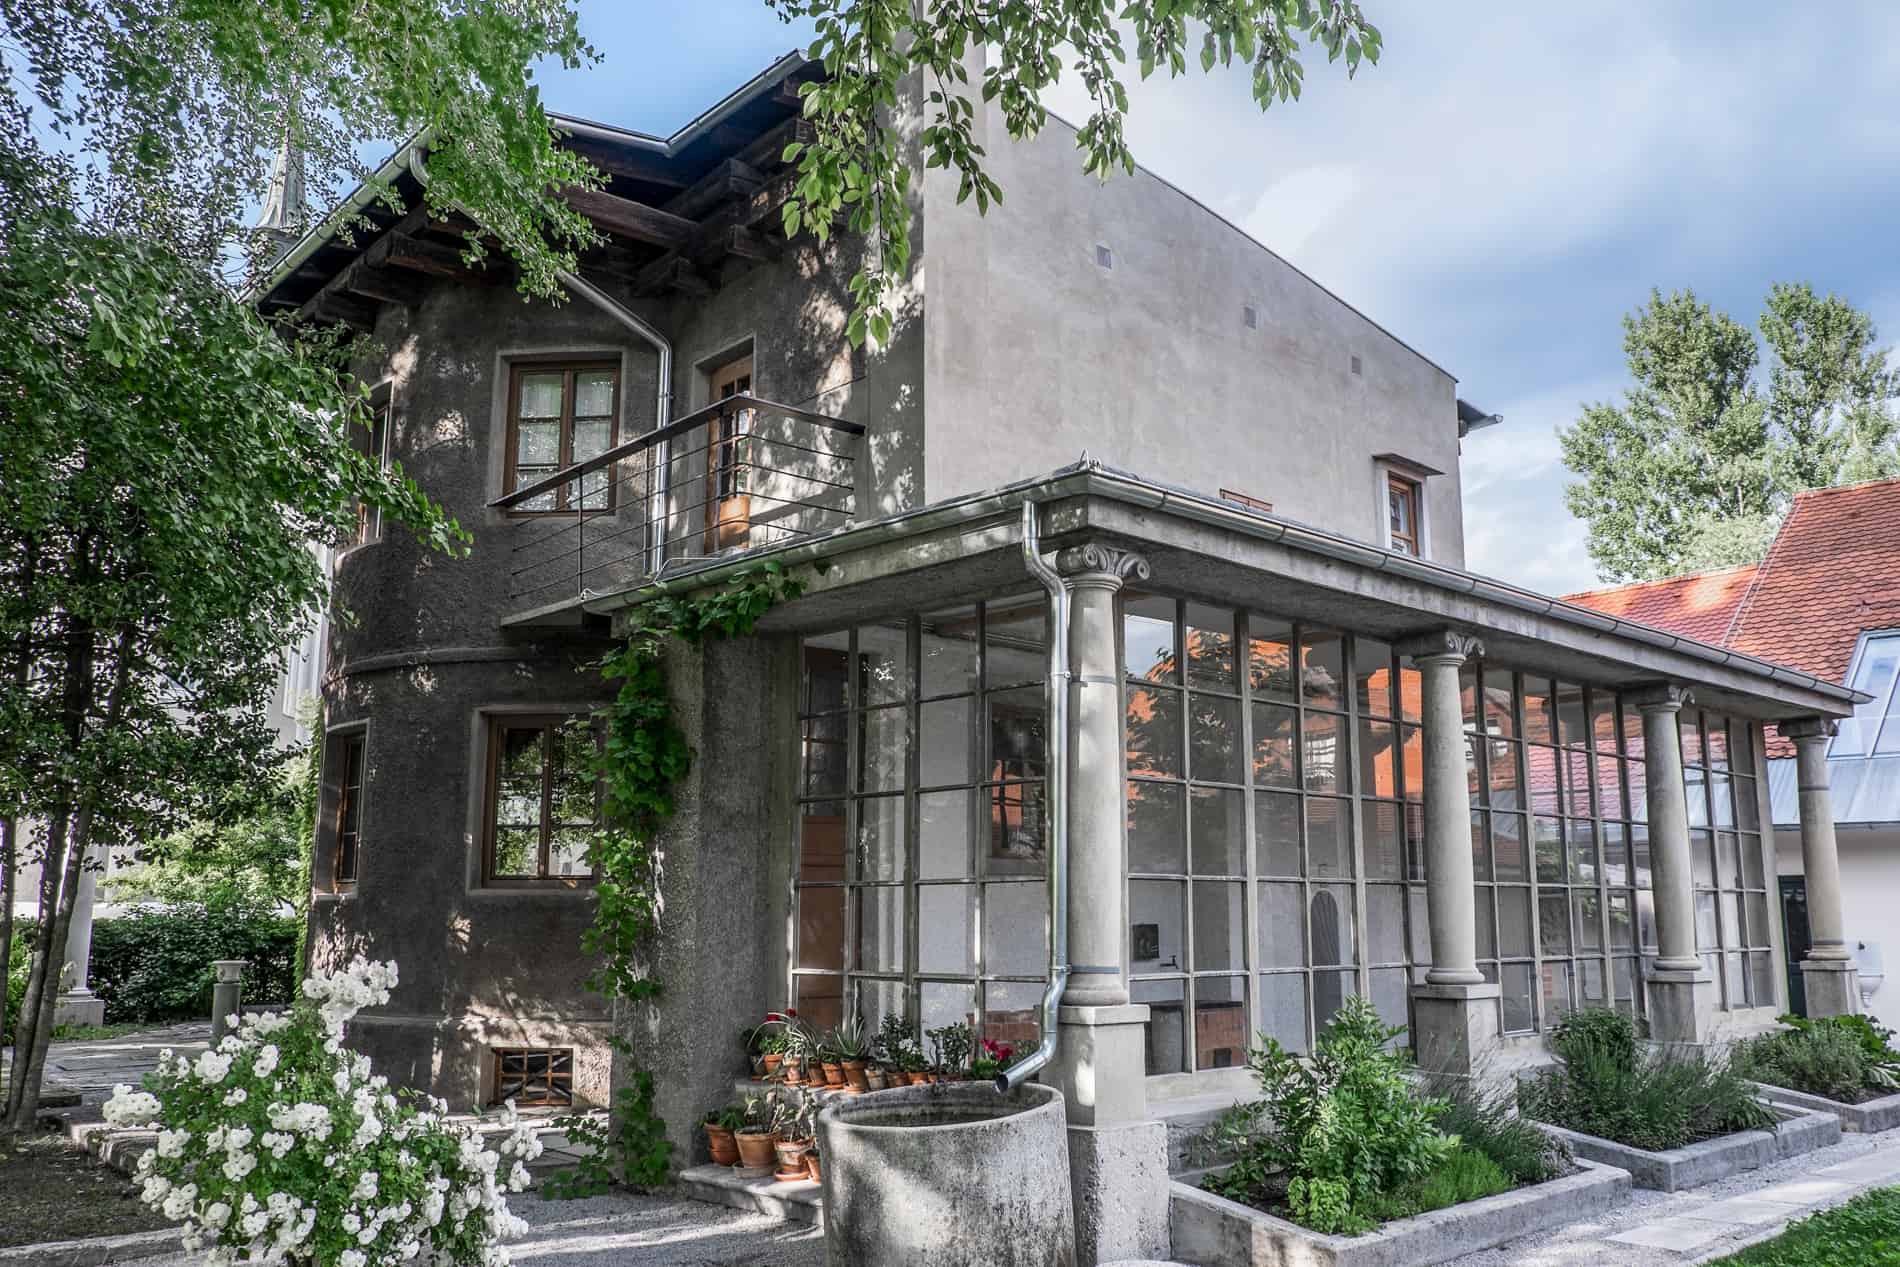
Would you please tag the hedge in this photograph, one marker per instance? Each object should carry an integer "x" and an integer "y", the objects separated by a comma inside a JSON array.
[{"x": 153, "y": 964}]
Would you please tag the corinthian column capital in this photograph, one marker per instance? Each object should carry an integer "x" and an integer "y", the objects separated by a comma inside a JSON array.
[
  {"x": 1446, "y": 644},
  {"x": 1101, "y": 563}
]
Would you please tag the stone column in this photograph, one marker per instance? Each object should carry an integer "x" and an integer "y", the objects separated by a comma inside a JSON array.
[
  {"x": 1456, "y": 1009},
  {"x": 1118, "y": 1154},
  {"x": 1829, "y": 972},
  {"x": 227, "y": 994},
  {"x": 77, "y": 1004},
  {"x": 1681, "y": 991}
]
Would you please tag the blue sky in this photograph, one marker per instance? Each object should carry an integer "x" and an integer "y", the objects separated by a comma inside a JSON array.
[{"x": 1498, "y": 191}]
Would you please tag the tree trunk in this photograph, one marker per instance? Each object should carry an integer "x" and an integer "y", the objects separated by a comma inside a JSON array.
[
  {"x": 9, "y": 877},
  {"x": 52, "y": 870},
  {"x": 40, "y": 1037}
]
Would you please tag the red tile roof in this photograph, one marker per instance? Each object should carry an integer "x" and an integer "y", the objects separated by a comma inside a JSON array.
[
  {"x": 1832, "y": 572},
  {"x": 1699, "y": 605}
]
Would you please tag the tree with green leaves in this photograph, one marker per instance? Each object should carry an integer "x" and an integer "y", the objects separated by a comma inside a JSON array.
[
  {"x": 1697, "y": 464},
  {"x": 883, "y": 56}
]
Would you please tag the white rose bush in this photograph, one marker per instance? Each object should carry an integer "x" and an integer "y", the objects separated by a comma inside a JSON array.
[{"x": 279, "y": 1146}]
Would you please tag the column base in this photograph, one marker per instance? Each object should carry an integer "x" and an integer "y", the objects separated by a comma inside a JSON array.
[
  {"x": 1832, "y": 985},
  {"x": 79, "y": 1007},
  {"x": 1455, "y": 1027},
  {"x": 1101, "y": 1064},
  {"x": 1681, "y": 1005},
  {"x": 1119, "y": 1175}
]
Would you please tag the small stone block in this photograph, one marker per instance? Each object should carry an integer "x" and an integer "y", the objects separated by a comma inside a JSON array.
[
  {"x": 1744, "y": 1210},
  {"x": 1678, "y": 1234}
]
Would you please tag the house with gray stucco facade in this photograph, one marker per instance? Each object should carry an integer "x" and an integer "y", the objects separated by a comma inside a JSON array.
[{"x": 1135, "y": 555}]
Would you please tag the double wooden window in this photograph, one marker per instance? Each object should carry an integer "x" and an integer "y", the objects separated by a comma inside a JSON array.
[
  {"x": 542, "y": 798},
  {"x": 349, "y": 807},
  {"x": 559, "y": 415},
  {"x": 372, "y": 441},
  {"x": 1402, "y": 507}
]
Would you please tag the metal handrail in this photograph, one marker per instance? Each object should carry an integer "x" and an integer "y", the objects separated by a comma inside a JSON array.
[{"x": 677, "y": 427}]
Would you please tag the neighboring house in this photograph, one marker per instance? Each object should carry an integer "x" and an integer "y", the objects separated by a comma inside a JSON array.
[
  {"x": 1071, "y": 442},
  {"x": 1826, "y": 600}
]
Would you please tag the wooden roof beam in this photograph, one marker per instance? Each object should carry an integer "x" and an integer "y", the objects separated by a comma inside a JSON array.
[
  {"x": 626, "y": 218},
  {"x": 729, "y": 179}
]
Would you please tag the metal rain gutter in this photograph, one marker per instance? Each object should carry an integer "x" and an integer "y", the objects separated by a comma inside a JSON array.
[
  {"x": 1056, "y": 690},
  {"x": 326, "y": 228}
]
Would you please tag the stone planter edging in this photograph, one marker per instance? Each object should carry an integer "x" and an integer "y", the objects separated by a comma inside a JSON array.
[
  {"x": 1215, "y": 1232},
  {"x": 1697, "y": 1165},
  {"x": 1866, "y": 1118},
  {"x": 92, "y": 1251}
]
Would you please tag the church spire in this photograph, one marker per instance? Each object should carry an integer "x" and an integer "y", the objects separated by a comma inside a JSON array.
[{"x": 285, "y": 213}]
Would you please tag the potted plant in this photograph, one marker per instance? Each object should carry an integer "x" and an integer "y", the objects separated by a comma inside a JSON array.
[
  {"x": 812, "y": 1162},
  {"x": 897, "y": 1047},
  {"x": 950, "y": 1045},
  {"x": 828, "y": 1059},
  {"x": 771, "y": 1051},
  {"x": 794, "y": 1040},
  {"x": 793, "y": 1148},
  {"x": 992, "y": 1058},
  {"x": 758, "y": 1134},
  {"x": 720, "y": 1123},
  {"x": 853, "y": 1050},
  {"x": 876, "y": 1077}
]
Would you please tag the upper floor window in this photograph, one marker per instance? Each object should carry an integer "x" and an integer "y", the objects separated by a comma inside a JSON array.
[
  {"x": 1402, "y": 523},
  {"x": 542, "y": 799},
  {"x": 349, "y": 807},
  {"x": 372, "y": 442},
  {"x": 559, "y": 415}
]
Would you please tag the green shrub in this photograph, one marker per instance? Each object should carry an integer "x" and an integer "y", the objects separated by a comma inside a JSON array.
[
  {"x": 1865, "y": 1233},
  {"x": 1819, "y": 1059},
  {"x": 1466, "y": 1174},
  {"x": 1603, "y": 1085},
  {"x": 1492, "y": 1126},
  {"x": 153, "y": 964},
  {"x": 1340, "y": 1129}
]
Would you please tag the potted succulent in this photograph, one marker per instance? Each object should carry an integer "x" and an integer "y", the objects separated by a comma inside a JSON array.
[
  {"x": 876, "y": 1078},
  {"x": 853, "y": 1050},
  {"x": 720, "y": 1123},
  {"x": 951, "y": 1045},
  {"x": 828, "y": 1059},
  {"x": 758, "y": 1133},
  {"x": 794, "y": 1040},
  {"x": 992, "y": 1058}
]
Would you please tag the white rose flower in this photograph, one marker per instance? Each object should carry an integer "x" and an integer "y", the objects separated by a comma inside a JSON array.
[
  {"x": 238, "y": 1165},
  {"x": 235, "y": 1096},
  {"x": 351, "y": 1258},
  {"x": 212, "y": 1066},
  {"x": 172, "y": 1143},
  {"x": 217, "y": 1214},
  {"x": 266, "y": 1062}
]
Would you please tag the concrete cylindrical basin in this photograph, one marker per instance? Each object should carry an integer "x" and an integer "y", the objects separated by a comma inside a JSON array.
[{"x": 947, "y": 1175}]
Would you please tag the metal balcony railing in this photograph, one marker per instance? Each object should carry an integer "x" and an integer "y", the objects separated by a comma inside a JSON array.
[{"x": 738, "y": 475}]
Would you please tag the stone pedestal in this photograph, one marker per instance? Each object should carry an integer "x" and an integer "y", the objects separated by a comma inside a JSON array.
[
  {"x": 1118, "y": 1155},
  {"x": 79, "y": 1007},
  {"x": 227, "y": 995},
  {"x": 1681, "y": 1004},
  {"x": 1832, "y": 985},
  {"x": 1455, "y": 1027}
]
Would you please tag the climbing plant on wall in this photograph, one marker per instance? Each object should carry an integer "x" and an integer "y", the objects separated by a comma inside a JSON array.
[{"x": 642, "y": 757}]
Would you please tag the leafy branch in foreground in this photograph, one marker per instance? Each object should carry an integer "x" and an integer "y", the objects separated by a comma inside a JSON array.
[{"x": 855, "y": 166}]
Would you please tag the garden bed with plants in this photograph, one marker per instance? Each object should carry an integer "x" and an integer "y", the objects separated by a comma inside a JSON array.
[
  {"x": 1345, "y": 1160},
  {"x": 1845, "y": 1065},
  {"x": 1674, "y": 1118}
]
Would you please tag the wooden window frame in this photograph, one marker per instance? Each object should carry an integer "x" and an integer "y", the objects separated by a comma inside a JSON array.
[
  {"x": 369, "y": 519},
  {"x": 511, "y": 439},
  {"x": 728, "y": 503},
  {"x": 548, "y": 1081},
  {"x": 1414, "y": 492},
  {"x": 348, "y": 820},
  {"x": 548, "y": 723}
]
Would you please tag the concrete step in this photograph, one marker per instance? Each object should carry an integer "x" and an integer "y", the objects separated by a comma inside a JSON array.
[{"x": 754, "y": 1190}]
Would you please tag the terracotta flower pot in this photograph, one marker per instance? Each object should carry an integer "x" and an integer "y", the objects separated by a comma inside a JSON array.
[
  {"x": 855, "y": 1077},
  {"x": 916, "y": 1077},
  {"x": 812, "y": 1166},
  {"x": 834, "y": 1074},
  {"x": 755, "y": 1150},
  {"x": 719, "y": 1141},
  {"x": 875, "y": 1079},
  {"x": 793, "y": 1067},
  {"x": 791, "y": 1159},
  {"x": 772, "y": 1061}
]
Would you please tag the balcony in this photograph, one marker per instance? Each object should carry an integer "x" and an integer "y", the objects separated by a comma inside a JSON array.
[{"x": 742, "y": 474}]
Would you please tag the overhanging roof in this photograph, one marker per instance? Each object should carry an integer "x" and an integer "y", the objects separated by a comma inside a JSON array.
[{"x": 1234, "y": 555}]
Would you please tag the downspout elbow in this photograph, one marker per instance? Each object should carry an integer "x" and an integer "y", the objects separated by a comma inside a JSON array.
[{"x": 1056, "y": 821}]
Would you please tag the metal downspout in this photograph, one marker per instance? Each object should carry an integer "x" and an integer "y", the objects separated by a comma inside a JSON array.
[
  {"x": 662, "y": 407},
  {"x": 1056, "y": 691}
]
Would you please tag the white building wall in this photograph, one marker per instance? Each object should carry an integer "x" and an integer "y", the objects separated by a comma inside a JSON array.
[{"x": 1870, "y": 899}]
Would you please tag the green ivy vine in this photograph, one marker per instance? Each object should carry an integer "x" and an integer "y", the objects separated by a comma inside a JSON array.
[{"x": 643, "y": 755}]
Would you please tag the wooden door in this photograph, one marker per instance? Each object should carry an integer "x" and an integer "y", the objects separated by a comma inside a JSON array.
[{"x": 728, "y": 507}]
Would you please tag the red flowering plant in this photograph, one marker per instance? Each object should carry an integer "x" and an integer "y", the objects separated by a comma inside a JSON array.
[{"x": 992, "y": 1058}]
